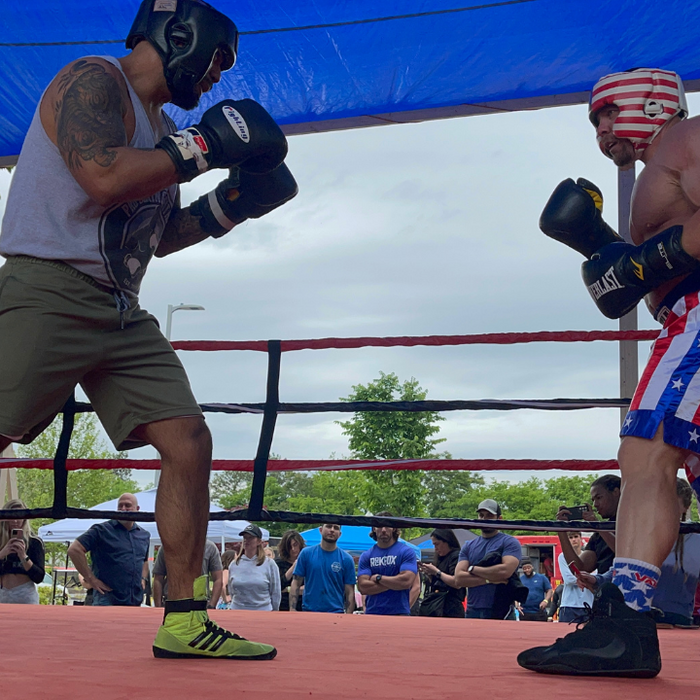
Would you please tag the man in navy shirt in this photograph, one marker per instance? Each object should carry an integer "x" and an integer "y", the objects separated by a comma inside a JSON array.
[
  {"x": 119, "y": 552},
  {"x": 539, "y": 593},
  {"x": 327, "y": 574},
  {"x": 387, "y": 572},
  {"x": 482, "y": 580}
]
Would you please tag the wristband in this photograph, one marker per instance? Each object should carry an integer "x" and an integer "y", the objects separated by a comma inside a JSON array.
[
  {"x": 188, "y": 151},
  {"x": 218, "y": 213}
]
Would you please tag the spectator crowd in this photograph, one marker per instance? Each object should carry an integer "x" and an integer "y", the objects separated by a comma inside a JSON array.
[{"x": 486, "y": 577}]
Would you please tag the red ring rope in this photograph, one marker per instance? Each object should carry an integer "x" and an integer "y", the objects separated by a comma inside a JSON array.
[
  {"x": 409, "y": 341},
  {"x": 282, "y": 465}
]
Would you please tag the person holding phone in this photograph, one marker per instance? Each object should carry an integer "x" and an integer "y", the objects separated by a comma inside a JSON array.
[
  {"x": 444, "y": 598},
  {"x": 600, "y": 550},
  {"x": 21, "y": 559}
]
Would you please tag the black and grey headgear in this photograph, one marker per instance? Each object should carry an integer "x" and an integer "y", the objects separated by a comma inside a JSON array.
[{"x": 186, "y": 34}]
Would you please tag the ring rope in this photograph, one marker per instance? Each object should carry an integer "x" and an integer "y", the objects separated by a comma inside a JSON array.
[
  {"x": 272, "y": 407},
  {"x": 411, "y": 341},
  {"x": 311, "y": 465}
]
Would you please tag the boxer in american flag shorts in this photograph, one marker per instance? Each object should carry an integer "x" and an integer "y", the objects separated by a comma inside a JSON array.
[
  {"x": 668, "y": 392},
  {"x": 639, "y": 115}
]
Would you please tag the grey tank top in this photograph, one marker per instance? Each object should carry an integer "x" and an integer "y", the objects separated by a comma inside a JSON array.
[{"x": 48, "y": 214}]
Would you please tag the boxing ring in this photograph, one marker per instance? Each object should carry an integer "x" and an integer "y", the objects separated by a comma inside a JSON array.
[{"x": 83, "y": 652}]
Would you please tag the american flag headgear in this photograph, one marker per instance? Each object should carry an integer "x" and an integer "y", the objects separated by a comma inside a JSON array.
[{"x": 646, "y": 97}]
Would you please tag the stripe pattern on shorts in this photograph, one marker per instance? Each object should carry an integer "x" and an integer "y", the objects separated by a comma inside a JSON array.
[{"x": 669, "y": 389}]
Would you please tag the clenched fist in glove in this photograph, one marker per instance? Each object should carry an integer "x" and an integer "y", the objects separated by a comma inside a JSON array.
[
  {"x": 230, "y": 133},
  {"x": 243, "y": 195},
  {"x": 573, "y": 216}
]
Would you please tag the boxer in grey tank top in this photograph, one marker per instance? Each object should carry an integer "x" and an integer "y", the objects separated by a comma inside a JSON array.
[
  {"x": 113, "y": 245},
  {"x": 94, "y": 197}
]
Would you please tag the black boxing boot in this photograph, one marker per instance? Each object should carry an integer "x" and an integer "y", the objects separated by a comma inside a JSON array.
[{"x": 615, "y": 641}]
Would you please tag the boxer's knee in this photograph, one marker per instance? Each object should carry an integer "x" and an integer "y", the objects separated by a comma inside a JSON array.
[{"x": 181, "y": 439}]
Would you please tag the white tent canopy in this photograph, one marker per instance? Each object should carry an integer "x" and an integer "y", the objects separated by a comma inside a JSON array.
[{"x": 68, "y": 529}]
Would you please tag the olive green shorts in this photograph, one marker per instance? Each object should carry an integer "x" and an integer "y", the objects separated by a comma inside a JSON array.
[{"x": 59, "y": 328}]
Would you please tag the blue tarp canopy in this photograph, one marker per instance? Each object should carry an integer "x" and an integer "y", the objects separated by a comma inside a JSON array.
[
  {"x": 336, "y": 64},
  {"x": 352, "y": 539}
]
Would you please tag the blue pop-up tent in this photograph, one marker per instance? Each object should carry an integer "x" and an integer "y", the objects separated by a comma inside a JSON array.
[
  {"x": 353, "y": 539},
  {"x": 341, "y": 64}
]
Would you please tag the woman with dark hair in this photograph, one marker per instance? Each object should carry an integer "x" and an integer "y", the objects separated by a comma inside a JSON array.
[
  {"x": 289, "y": 547},
  {"x": 21, "y": 559},
  {"x": 227, "y": 558},
  {"x": 443, "y": 597}
]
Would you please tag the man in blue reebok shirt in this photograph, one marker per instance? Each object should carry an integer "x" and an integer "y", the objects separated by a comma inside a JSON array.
[{"x": 387, "y": 572}]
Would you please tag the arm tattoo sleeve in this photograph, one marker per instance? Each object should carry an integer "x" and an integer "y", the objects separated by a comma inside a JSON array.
[
  {"x": 182, "y": 230},
  {"x": 89, "y": 115}
]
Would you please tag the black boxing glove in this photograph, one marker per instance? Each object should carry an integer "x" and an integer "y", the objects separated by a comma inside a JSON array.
[
  {"x": 230, "y": 133},
  {"x": 573, "y": 216},
  {"x": 243, "y": 195},
  {"x": 620, "y": 275}
]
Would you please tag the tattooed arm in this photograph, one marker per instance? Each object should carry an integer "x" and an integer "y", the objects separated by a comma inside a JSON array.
[
  {"x": 88, "y": 114},
  {"x": 182, "y": 230}
]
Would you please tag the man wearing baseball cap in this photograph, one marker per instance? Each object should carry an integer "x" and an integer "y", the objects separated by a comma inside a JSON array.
[{"x": 485, "y": 562}]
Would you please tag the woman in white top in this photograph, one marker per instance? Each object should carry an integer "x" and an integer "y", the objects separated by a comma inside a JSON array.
[
  {"x": 572, "y": 596},
  {"x": 254, "y": 579}
]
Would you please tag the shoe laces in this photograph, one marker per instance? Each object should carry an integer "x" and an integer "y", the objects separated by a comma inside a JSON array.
[
  {"x": 213, "y": 637},
  {"x": 582, "y": 620},
  {"x": 585, "y": 618}
]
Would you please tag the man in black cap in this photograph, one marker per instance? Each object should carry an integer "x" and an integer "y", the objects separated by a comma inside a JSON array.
[{"x": 486, "y": 561}]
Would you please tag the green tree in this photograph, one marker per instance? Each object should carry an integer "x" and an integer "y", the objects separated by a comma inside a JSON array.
[
  {"x": 532, "y": 499},
  {"x": 392, "y": 435},
  {"x": 448, "y": 491},
  {"x": 318, "y": 492},
  {"x": 86, "y": 487}
]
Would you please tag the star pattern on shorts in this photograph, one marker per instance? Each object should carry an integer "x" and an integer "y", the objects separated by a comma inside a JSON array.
[
  {"x": 628, "y": 421},
  {"x": 694, "y": 435},
  {"x": 678, "y": 384}
]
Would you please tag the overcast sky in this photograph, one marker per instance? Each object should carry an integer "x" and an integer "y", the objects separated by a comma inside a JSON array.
[{"x": 406, "y": 230}]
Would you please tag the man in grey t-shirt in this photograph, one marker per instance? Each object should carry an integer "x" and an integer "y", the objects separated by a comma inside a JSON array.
[{"x": 211, "y": 568}]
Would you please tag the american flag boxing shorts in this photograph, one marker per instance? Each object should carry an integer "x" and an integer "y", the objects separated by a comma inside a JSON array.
[{"x": 669, "y": 389}]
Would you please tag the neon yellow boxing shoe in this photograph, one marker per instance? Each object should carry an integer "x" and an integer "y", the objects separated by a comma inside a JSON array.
[{"x": 188, "y": 633}]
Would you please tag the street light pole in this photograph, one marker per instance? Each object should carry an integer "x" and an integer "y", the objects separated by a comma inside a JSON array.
[
  {"x": 180, "y": 307},
  {"x": 168, "y": 329}
]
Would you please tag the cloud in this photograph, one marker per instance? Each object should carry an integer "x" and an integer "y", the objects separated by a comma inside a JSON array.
[{"x": 406, "y": 230}]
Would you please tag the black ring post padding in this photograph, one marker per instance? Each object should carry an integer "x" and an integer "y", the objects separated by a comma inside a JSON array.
[
  {"x": 60, "y": 473},
  {"x": 267, "y": 430}
]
